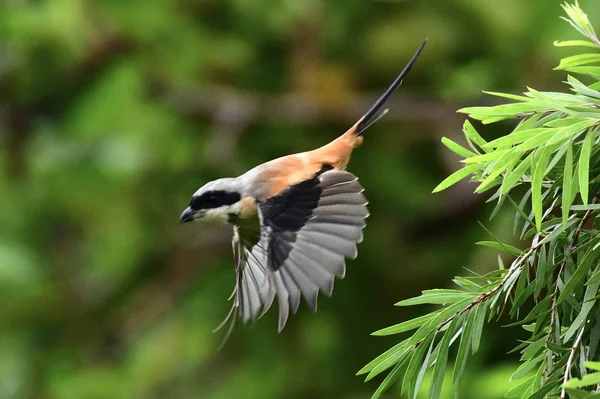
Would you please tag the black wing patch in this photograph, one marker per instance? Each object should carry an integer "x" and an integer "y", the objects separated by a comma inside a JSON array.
[
  {"x": 290, "y": 210},
  {"x": 307, "y": 232},
  {"x": 286, "y": 213}
]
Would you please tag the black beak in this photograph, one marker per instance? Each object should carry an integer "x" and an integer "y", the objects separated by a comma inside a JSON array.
[{"x": 187, "y": 215}]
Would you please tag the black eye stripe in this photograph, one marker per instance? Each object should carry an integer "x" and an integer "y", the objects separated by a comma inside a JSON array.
[{"x": 214, "y": 199}]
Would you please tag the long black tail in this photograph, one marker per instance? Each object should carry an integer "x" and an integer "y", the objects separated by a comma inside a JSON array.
[{"x": 371, "y": 116}]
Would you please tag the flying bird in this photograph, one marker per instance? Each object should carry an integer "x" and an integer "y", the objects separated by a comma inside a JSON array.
[{"x": 295, "y": 221}]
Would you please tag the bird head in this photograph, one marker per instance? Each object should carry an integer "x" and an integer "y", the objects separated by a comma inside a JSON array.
[{"x": 215, "y": 202}]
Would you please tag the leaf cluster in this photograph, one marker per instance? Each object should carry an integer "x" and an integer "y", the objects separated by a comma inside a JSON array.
[{"x": 546, "y": 170}]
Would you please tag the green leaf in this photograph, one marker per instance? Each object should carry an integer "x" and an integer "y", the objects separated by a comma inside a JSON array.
[
  {"x": 589, "y": 207},
  {"x": 436, "y": 297},
  {"x": 519, "y": 390},
  {"x": 511, "y": 179},
  {"x": 508, "y": 96},
  {"x": 500, "y": 247},
  {"x": 463, "y": 351},
  {"x": 405, "y": 326},
  {"x": 593, "y": 365},
  {"x": 456, "y": 148},
  {"x": 587, "y": 70},
  {"x": 584, "y": 165},
  {"x": 572, "y": 130},
  {"x": 586, "y": 307},
  {"x": 594, "y": 337},
  {"x": 440, "y": 316},
  {"x": 578, "y": 60},
  {"x": 566, "y": 122},
  {"x": 410, "y": 377},
  {"x": 581, "y": 43},
  {"x": 559, "y": 151},
  {"x": 522, "y": 295},
  {"x": 389, "y": 361},
  {"x": 467, "y": 284},
  {"x": 423, "y": 369},
  {"x": 536, "y": 141},
  {"x": 587, "y": 380},
  {"x": 439, "y": 369},
  {"x": 579, "y": 394},
  {"x": 390, "y": 378},
  {"x": 556, "y": 348},
  {"x": 526, "y": 367},
  {"x": 540, "y": 272},
  {"x": 394, "y": 351},
  {"x": 579, "y": 274},
  {"x": 582, "y": 89},
  {"x": 544, "y": 389},
  {"x": 485, "y": 158},
  {"x": 567, "y": 197},
  {"x": 455, "y": 177},
  {"x": 516, "y": 138},
  {"x": 498, "y": 167},
  {"x": 472, "y": 134},
  {"x": 478, "y": 321},
  {"x": 504, "y": 111},
  {"x": 538, "y": 166}
]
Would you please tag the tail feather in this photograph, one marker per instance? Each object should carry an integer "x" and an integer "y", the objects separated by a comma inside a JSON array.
[{"x": 373, "y": 115}]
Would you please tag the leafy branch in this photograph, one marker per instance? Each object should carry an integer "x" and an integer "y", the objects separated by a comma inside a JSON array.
[{"x": 546, "y": 170}]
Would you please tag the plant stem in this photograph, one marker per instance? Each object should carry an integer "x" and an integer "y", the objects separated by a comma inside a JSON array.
[{"x": 570, "y": 361}]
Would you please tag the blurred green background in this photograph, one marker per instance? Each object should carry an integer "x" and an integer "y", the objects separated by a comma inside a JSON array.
[{"x": 112, "y": 113}]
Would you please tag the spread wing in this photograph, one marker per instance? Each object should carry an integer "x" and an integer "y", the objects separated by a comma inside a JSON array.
[{"x": 306, "y": 232}]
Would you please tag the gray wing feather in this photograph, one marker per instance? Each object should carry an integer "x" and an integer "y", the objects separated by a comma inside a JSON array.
[
  {"x": 292, "y": 287},
  {"x": 319, "y": 276},
  {"x": 308, "y": 287},
  {"x": 350, "y": 233},
  {"x": 330, "y": 260},
  {"x": 343, "y": 210},
  {"x": 283, "y": 299},
  {"x": 313, "y": 256}
]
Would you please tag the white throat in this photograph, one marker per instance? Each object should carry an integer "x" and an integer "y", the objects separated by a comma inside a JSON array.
[{"x": 221, "y": 214}]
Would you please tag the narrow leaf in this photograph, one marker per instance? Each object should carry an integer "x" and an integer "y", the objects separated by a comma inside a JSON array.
[
  {"x": 593, "y": 365},
  {"x": 390, "y": 378},
  {"x": 511, "y": 179},
  {"x": 436, "y": 297},
  {"x": 472, "y": 134},
  {"x": 538, "y": 167},
  {"x": 526, "y": 367},
  {"x": 457, "y": 148},
  {"x": 584, "y": 165},
  {"x": 579, "y": 274},
  {"x": 478, "y": 321},
  {"x": 439, "y": 369},
  {"x": 393, "y": 351},
  {"x": 567, "y": 185},
  {"x": 500, "y": 247},
  {"x": 404, "y": 326},
  {"x": 455, "y": 177},
  {"x": 463, "y": 351},
  {"x": 508, "y": 96},
  {"x": 586, "y": 380},
  {"x": 581, "y": 43}
]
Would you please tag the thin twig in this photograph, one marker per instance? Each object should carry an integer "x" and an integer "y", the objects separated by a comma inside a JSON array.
[
  {"x": 570, "y": 361},
  {"x": 574, "y": 243},
  {"x": 517, "y": 264}
]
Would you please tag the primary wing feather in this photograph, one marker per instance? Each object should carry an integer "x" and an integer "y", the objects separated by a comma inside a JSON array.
[{"x": 306, "y": 233}]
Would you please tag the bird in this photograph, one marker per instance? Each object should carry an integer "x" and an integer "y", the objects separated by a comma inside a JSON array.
[{"x": 296, "y": 219}]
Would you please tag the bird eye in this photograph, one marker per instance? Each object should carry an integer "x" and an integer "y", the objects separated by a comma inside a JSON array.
[{"x": 194, "y": 203}]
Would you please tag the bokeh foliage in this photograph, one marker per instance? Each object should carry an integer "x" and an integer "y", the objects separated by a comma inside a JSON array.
[{"x": 113, "y": 112}]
